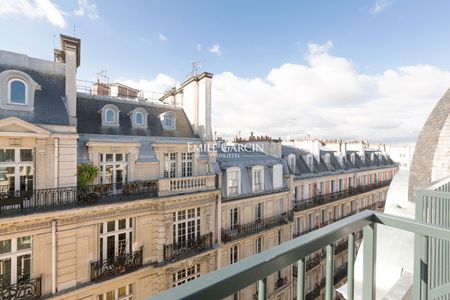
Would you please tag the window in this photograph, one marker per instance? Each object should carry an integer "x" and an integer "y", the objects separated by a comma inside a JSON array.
[
  {"x": 258, "y": 245},
  {"x": 138, "y": 117},
  {"x": 15, "y": 260},
  {"x": 234, "y": 218},
  {"x": 110, "y": 115},
  {"x": 280, "y": 237},
  {"x": 17, "y": 92},
  {"x": 185, "y": 275},
  {"x": 310, "y": 163},
  {"x": 115, "y": 238},
  {"x": 258, "y": 178},
  {"x": 170, "y": 165},
  {"x": 186, "y": 164},
  {"x": 291, "y": 163},
  {"x": 259, "y": 211},
  {"x": 234, "y": 254},
  {"x": 168, "y": 120},
  {"x": 186, "y": 225},
  {"x": 16, "y": 169},
  {"x": 123, "y": 293},
  {"x": 113, "y": 169},
  {"x": 277, "y": 176},
  {"x": 233, "y": 181}
]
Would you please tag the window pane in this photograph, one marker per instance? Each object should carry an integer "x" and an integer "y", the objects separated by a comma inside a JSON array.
[
  {"x": 24, "y": 243},
  {"x": 7, "y": 155},
  {"x": 7, "y": 177},
  {"x": 122, "y": 291},
  {"x": 110, "y": 295},
  {"x": 23, "y": 267},
  {"x": 139, "y": 119},
  {"x": 17, "y": 90},
  {"x": 111, "y": 226},
  {"x": 26, "y": 178},
  {"x": 122, "y": 223},
  {"x": 5, "y": 246},
  {"x": 110, "y": 116},
  {"x": 5, "y": 270},
  {"x": 26, "y": 155},
  {"x": 109, "y": 157},
  {"x": 119, "y": 157}
]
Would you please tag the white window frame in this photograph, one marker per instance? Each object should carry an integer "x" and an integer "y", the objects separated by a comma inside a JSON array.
[
  {"x": 165, "y": 117},
  {"x": 186, "y": 225},
  {"x": 17, "y": 164},
  {"x": 128, "y": 293},
  {"x": 234, "y": 217},
  {"x": 277, "y": 172},
  {"x": 10, "y": 81},
  {"x": 133, "y": 117},
  {"x": 234, "y": 254},
  {"x": 257, "y": 181},
  {"x": 14, "y": 254},
  {"x": 116, "y": 114},
  {"x": 187, "y": 164},
  {"x": 104, "y": 234},
  {"x": 116, "y": 165},
  {"x": 170, "y": 164},
  {"x": 186, "y": 274},
  {"x": 291, "y": 162},
  {"x": 233, "y": 181}
]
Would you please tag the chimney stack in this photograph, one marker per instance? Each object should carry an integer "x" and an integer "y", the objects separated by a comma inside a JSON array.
[{"x": 69, "y": 54}]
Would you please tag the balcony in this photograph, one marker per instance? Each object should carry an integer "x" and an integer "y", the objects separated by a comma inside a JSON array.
[
  {"x": 232, "y": 278},
  {"x": 181, "y": 185},
  {"x": 181, "y": 250},
  {"x": 240, "y": 231},
  {"x": 14, "y": 203},
  {"x": 23, "y": 289},
  {"x": 108, "y": 268},
  {"x": 280, "y": 282},
  {"x": 301, "y": 205}
]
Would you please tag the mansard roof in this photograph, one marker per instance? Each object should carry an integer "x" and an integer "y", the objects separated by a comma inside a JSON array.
[
  {"x": 49, "y": 106},
  {"x": 90, "y": 120}
]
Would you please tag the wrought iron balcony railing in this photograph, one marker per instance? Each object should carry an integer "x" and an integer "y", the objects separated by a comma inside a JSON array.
[
  {"x": 22, "y": 202},
  {"x": 183, "y": 249},
  {"x": 280, "y": 282},
  {"x": 300, "y": 205},
  {"x": 239, "y": 231},
  {"x": 232, "y": 278},
  {"x": 107, "y": 268},
  {"x": 24, "y": 289}
]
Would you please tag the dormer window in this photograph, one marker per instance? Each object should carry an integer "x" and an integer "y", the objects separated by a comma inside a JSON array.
[
  {"x": 139, "y": 117},
  {"x": 168, "y": 120},
  {"x": 291, "y": 162},
  {"x": 110, "y": 115},
  {"x": 257, "y": 179},
  {"x": 353, "y": 158},
  {"x": 233, "y": 181},
  {"x": 277, "y": 176},
  {"x": 310, "y": 162},
  {"x": 327, "y": 159},
  {"x": 17, "y": 90}
]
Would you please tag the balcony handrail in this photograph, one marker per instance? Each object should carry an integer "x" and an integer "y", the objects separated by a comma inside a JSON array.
[
  {"x": 26, "y": 288},
  {"x": 320, "y": 199},
  {"x": 120, "y": 264},
  {"x": 183, "y": 249},
  {"x": 224, "y": 282}
]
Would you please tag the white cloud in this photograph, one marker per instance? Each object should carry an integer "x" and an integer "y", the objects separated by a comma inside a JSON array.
[
  {"x": 37, "y": 9},
  {"x": 324, "y": 97},
  {"x": 215, "y": 49},
  {"x": 87, "y": 8},
  {"x": 380, "y": 5},
  {"x": 162, "y": 37}
]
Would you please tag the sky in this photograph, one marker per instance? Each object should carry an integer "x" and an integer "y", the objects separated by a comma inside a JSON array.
[{"x": 371, "y": 69}]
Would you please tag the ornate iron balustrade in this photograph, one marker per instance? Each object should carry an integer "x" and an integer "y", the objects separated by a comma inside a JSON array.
[
  {"x": 187, "y": 248},
  {"x": 107, "y": 268},
  {"x": 30, "y": 201},
  {"x": 340, "y": 247},
  {"x": 24, "y": 289},
  {"x": 317, "y": 200},
  {"x": 240, "y": 231},
  {"x": 280, "y": 282}
]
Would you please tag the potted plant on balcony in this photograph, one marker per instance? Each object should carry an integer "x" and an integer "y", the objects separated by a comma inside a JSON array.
[{"x": 86, "y": 175}]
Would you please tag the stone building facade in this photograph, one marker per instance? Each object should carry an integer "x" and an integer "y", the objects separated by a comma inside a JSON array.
[{"x": 164, "y": 208}]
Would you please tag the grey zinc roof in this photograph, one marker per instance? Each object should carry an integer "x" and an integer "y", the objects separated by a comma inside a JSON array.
[
  {"x": 245, "y": 161},
  {"x": 49, "y": 106},
  {"x": 321, "y": 168},
  {"x": 90, "y": 121}
]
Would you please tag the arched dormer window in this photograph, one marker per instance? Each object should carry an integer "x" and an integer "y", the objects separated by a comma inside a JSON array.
[
  {"x": 110, "y": 115},
  {"x": 17, "y": 90},
  {"x": 139, "y": 117},
  {"x": 168, "y": 120},
  {"x": 257, "y": 179}
]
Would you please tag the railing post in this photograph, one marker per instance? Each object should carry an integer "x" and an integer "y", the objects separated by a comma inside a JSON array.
[
  {"x": 329, "y": 273},
  {"x": 369, "y": 266},
  {"x": 351, "y": 267},
  {"x": 262, "y": 289},
  {"x": 301, "y": 279}
]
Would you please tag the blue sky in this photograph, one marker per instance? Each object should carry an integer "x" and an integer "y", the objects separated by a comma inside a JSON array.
[{"x": 249, "y": 41}]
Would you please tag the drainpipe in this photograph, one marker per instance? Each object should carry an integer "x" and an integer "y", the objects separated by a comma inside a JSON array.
[
  {"x": 53, "y": 256},
  {"x": 56, "y": 162}
]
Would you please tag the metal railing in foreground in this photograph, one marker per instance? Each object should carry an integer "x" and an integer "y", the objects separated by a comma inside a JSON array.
[{"x": 229, "y": 280}]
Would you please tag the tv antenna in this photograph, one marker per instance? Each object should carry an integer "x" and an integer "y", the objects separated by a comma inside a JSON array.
[{"x": 102, "y": 74}]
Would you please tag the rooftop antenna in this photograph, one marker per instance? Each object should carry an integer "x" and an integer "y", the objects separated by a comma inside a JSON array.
[
  {"x": 103, "y": 75},
  {"x": 195, "y": 67},
  {"x": 74, "y": 30}
]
